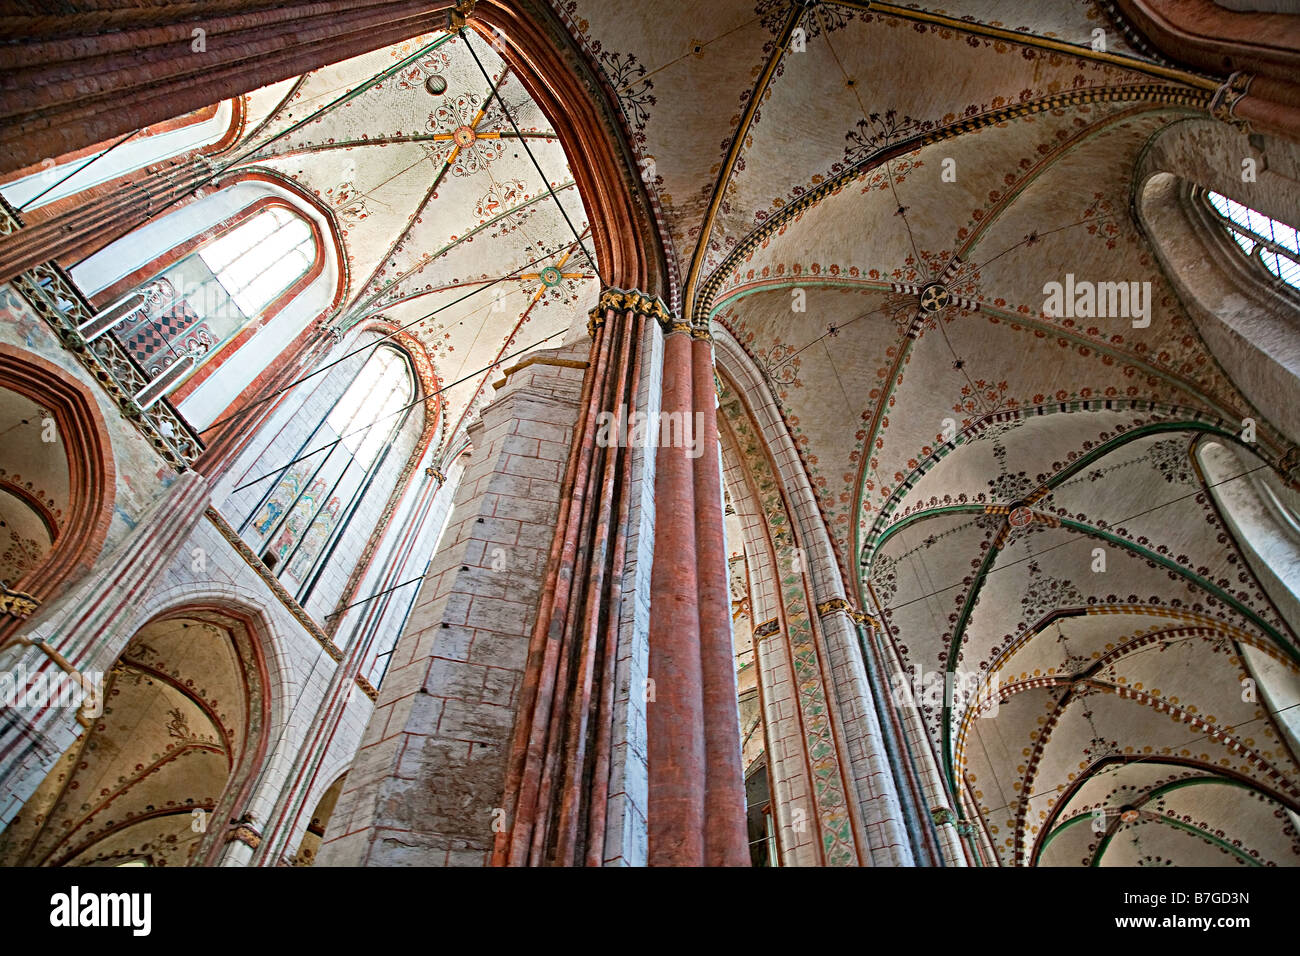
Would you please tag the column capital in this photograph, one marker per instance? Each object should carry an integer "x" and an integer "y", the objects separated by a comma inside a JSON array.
[
  {"x": 862, "y": 617},
  {"x": 17, "y": 603},
  {"x": 633, "y": 301},
  {"x": 833, "y": 606},
  {"x": 459, "y": 15},
  {"x": 1224, "y": 101},
  {"x": 245, "y": 833}
]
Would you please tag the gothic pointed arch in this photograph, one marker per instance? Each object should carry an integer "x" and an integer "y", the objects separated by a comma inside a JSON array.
[
  {"x": 163, "y": 773},
  {"x": 57, "y": 437},
  {"x": 256, "y": 257}
]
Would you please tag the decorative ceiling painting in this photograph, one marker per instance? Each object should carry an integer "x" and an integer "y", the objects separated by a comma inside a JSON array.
[
  {"x": 880, "y": 247},
  {"x": 452, "y": 197},
  {"x": 1056, "y": 509}
]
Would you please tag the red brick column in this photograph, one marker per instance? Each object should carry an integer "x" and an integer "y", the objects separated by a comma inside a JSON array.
[
  {"x": 675, "y": 716},
  {"x": 528, "y": 785},
  {"x": 726, "y": 843},
  {"x": 557, "y": 793},
  {"x": 118, "y": 211},
  {"x": 1259, "y": 51}
]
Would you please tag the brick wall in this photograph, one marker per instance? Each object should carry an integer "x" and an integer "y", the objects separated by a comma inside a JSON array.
[{"x": 431, "y": 768}]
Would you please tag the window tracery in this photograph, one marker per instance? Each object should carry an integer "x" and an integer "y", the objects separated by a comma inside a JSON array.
[
  {"x": 1273, "y": 244},
  {"x": 205, "y": 299},
  {"x": 297, "y": 524}
]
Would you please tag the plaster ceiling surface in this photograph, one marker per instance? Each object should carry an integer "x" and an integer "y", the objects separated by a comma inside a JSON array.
[
  {"x": 1114, "y": 806},
  {"x": 1073, "y": 21},
  {"x": 457, "y": 214},
  {"x": 1124, "y": 589},
  {"x": 816, "y": 167}
]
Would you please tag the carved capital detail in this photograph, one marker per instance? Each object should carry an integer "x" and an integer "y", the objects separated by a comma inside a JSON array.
[
  {"x": 459, "y": 15},
  {"x": 633, "y": 301},
  {"x": 17, "y": 603},
  {"x": 862, "y": 617},
  {"x": 1226, "y": 97},
  {"x": 245, "y": 834},
  {"x": 833, "y": 605}
]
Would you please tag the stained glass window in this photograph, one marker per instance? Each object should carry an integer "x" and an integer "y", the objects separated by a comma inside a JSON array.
[
  {"x": 382, "y": 387},
  {"x": 297, "y": 523}
]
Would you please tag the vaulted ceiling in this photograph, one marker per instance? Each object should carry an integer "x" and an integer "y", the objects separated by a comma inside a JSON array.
[
  {"x": 457, "y": 215},
  {"x": 816, "y": 167},
  {"x": 871, "y": 198},
  {"x": 174, "y": 719}
]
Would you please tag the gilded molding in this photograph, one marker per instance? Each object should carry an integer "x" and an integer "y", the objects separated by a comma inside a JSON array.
[
  {"x": 862, "y": 617},
  {"x": 458, "y": 16},
  {"x": 367, "y": 688},
  {"x": 631, "y": 301},
  {"x": 942, "y": 816},
  {"x": 17, "y": 603},
  {"x": 1226, "y": 97},
  {"x": 833, "y": 605},
  {"x": 245, "y": 834}
]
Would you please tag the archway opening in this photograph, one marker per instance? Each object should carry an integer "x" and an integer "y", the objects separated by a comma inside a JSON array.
[
  {"x": 34, "y": 487},
  {"x": 176, "y": 728},
  {"x": 320, "y": 819},
  {"x": 57, "y": 483}
]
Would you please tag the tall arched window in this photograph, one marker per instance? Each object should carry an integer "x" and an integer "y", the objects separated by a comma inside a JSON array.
[
  {"x": 298, "y": 522},
  {"x": 261, "y": 257},
  {"x": 1272, "y": 243},
  {"x": 381, "y": 388},
  {"x": 202, "y": 301},
  {"x": 206, "y": 131}
]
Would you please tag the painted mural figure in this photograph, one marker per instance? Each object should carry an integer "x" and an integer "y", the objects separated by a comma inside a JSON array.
[
  {"x": 285, "y": 492},
  {"x": 317, "y": 534}
]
